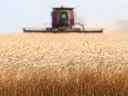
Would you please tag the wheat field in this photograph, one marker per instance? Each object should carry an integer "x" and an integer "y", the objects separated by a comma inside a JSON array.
[{"x": 72, "y": 64}]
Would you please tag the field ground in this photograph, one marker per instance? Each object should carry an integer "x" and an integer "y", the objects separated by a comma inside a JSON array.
[{"x": 64, "y": 64}]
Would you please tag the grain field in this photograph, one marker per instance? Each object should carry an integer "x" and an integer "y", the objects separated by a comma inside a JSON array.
[{"x": 72, "y": 64}]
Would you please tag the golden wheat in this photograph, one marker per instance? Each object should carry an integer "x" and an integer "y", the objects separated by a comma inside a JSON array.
[{"x": 64, "y": 65}]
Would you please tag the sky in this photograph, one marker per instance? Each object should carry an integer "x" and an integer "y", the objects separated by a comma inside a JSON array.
[{"x": 16, "y": 14}]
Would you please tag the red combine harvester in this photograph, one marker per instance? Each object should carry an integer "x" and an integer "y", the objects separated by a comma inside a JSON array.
[{"x": 63, "y": 21}]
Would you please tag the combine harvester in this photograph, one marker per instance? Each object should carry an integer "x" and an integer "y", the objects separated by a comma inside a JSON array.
[{"x": 63, "y": 21}]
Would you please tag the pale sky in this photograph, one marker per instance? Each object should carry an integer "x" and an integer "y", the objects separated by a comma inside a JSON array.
[{"x": 15, "y": 14}]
